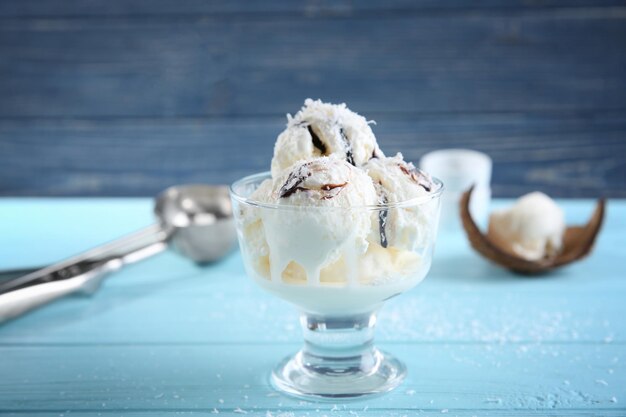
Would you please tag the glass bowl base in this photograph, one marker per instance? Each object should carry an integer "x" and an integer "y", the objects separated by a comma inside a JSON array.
[{"x": 309, "y": 376}]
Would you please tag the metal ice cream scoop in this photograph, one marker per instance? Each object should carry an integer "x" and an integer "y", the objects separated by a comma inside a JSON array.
[{"x": 196, "y": 220}]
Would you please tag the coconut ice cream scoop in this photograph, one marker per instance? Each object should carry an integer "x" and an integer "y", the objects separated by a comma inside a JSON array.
[
  {"x": 326, "y": 181},
  {"x": 324, "y": 129},
  {"x": 399, "y": 181},
  {"x": 532, "y": 228},
  {"x": 314, "y": 238}
]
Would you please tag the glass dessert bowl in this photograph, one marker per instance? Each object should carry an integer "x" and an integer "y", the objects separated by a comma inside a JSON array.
[{"x": 337, "y": 265}]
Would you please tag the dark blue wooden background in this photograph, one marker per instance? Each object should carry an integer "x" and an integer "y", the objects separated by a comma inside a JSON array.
[{"x": 125, "y": 97}]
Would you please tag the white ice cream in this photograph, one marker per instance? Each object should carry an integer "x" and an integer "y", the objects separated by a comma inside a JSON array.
[
  {"x": 322, "y": 129},
  {"x": 315, "y": 234},
  {"x": 397, "y": 181},
  {"x": 324, "y": 228},
  {"x": 532, "y": 228}
]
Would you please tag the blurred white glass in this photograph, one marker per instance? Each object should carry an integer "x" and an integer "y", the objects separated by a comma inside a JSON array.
[{"x": 459, "y": 169}]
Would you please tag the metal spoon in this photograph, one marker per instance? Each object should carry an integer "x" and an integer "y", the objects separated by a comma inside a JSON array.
[{"x": 195, "y": 219}]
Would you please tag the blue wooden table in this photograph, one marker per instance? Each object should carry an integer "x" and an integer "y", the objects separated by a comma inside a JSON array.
[{"x": 167, "y": 337}]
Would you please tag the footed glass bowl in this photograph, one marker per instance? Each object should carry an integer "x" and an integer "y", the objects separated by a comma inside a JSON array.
[{"x": 337, "y": 266}]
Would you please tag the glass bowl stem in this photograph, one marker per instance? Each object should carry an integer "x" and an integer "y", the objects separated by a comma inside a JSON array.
[{"x": 338, "y": 360}]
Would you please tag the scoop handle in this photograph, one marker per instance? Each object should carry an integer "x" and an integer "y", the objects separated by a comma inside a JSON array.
[{"x": 81, "y": 273}]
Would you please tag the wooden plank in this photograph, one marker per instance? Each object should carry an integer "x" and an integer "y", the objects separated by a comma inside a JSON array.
[
  {"x": 564, "y": 155},
  {"x": 41, "y": 230},
  {"x": 196, "y": 378},
  {"x": 167, "y": 300},
  {"x": 156, "y": 313},
  {"x": 546, "y": 60},
  {"x": 347, "y": 412},
  {"x": 48, "y": 8}
]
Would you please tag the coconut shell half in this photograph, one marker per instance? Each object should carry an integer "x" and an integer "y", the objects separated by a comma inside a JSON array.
[{"x": 577, "y": 242}]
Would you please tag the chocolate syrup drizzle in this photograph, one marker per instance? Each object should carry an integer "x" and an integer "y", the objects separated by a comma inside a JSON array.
[
  {"x": 328, "y": 187},
  {"x": 321, "y": 146},
  {"x": 346, "y": 141},
  {"x": 382, "y": 220},
  {"x": 297, "y": 177},
  {"x": 317, "y": 142},
  {"x": 332, "y": 190},
  {"x": 293, "y": 182},
  {"x": 416, "y": 176}
]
